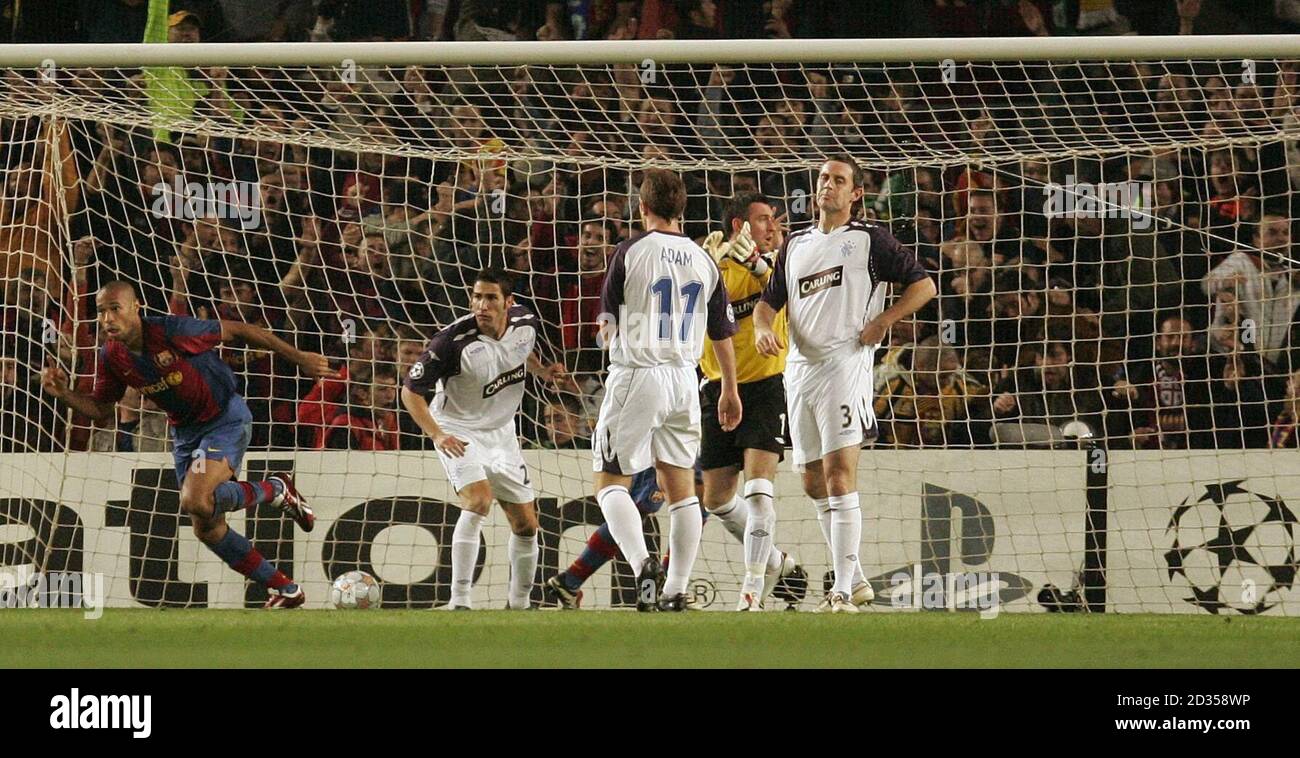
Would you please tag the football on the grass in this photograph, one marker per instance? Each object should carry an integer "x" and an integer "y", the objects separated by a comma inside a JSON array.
[{"x": 355, "y": 589}]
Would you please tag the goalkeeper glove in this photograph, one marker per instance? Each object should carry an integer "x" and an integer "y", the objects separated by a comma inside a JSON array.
[
  {"x": 744, "y": 251},
  {"x": 715, "y": 246}
]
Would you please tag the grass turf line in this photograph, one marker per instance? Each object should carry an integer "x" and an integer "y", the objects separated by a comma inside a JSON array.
[{"x": 142, "y": 638}]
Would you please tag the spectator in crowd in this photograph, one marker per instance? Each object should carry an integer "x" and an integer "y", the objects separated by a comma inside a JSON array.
[
  {"x": 567, "y": 428},
  {"x": 1239, "y": 400},
  {"x": 699, "y": 21},
  {"x": 1038, "y": 406},
  {"x": 105, "y": 21},
  {"x": 580, "y": 300},
  {"x": 368, "y": 420},
  {"x": 321, "y": 404},
  {"x": 1166, "y": 398},
  {"x": 255, "y": 21},
  {"x": 931, "y": 405},
  {"x": 27, "y": 423},
  {"x": 984, "y": 223},
  {"x": 1255, "y": 284},
  {"x": 1282, "y": 432}
]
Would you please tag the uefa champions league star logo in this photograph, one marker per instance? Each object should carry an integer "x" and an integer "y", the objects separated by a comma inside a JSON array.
[{"x": 1232, "y": 549}]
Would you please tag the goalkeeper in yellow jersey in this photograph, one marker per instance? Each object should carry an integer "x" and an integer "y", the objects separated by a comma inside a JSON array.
[{"x": 756, "y": 446}]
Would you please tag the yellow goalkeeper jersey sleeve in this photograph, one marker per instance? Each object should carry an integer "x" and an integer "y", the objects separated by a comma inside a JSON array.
[{"x": 743, "y": 290}]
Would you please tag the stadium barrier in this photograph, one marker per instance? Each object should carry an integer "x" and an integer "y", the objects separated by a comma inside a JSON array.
[{"x": 942, "y": 529}]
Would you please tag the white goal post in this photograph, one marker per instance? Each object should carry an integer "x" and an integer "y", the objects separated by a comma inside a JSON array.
[{"x": 1110, "y": 221}]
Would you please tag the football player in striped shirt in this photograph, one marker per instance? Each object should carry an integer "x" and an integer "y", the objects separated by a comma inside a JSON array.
[{"x": 172, "y": 360}]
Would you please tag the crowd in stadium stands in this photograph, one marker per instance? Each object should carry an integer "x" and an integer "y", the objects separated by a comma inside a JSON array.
[
  {"x": 1175, "y": 330},
  {"x": 347, "y": 20}
]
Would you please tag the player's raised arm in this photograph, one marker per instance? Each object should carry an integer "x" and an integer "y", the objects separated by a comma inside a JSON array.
[{"x": 313, "y": 365}]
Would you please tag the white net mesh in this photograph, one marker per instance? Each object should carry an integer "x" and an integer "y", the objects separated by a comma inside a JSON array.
[{"x": 1112, "y": 242}]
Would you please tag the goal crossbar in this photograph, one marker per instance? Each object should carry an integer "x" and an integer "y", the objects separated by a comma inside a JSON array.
[{"x": 585, "y": 52}]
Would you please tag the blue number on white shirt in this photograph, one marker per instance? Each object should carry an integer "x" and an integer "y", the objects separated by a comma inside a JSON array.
[{"x": 664, "y": 289}]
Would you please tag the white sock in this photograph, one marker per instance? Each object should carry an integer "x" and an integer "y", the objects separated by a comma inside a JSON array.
[
  {"x": 523, "y": 569},
  {"x": 823, "y": 505},
  {"x": 624, "y": 522},
  {"x": 734, "y": 517},
  {"x": 464, "y": 554},
  {"x": 775, "y": 557},
  {"x": 846, "y": 537},
  {"x": 684, "y": 526},
  {"x": 760, "y": 532},
  {"x": 824, "y": 521}
]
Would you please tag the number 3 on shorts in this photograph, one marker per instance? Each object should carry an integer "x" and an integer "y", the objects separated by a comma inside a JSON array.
[{"x": 848, "y": 415}]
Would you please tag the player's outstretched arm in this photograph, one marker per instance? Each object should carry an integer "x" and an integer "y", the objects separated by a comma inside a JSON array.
[
  {"x": 418, "y": 407},
  {"x": 766, "y": 340},
  {"x": 313, "y": 365},
  {"x": 54, "y": 382},
  {"x": 917, "y": 294}
]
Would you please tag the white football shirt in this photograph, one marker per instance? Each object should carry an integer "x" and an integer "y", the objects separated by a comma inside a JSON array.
[
  {"x": 477, "y": 382},
  {"x": 663, "y": 292},
  {"x": 832, "y": 284}
]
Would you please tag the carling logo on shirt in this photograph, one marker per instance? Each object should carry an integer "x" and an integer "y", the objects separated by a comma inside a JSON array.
[
  {"x": 513, "y": 376},
  {"x": 831, "y": 277},
  {"x": 745, "y": 307}
]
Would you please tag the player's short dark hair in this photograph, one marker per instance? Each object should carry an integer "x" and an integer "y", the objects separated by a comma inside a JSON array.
[
  {"x": 499, "y": 278},
  {"x": 859, "y": 176},
  {"x": 663, "y": 193},
  {"x": 119, "y": 284},
  {"x": 738, "y": 207}
]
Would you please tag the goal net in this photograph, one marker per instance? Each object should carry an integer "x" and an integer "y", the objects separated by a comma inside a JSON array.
[{"x": 1098, "y": 412}]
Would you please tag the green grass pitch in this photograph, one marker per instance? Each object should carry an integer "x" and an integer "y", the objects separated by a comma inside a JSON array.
[{"x": 210, "y": 638}]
